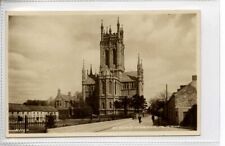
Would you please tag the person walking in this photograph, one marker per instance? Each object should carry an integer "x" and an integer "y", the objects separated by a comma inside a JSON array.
[
  {"x": 153, "y": 118},
  {"x": 139, "y": 118}
]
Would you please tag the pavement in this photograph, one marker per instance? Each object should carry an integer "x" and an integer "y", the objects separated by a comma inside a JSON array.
[{"x": 117, "y": 125}]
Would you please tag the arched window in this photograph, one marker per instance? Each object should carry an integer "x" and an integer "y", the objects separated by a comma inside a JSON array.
[
  {"x": 115, "y": 88},
  {"x": 110, "y": 87},
  {"x": 103, "y": 87},
  {"x": 114, "y": 57},
  {"x": 103, "y": 105},
  {"x": 107, "y": 57},
  {"x": 110, "y": 104}
]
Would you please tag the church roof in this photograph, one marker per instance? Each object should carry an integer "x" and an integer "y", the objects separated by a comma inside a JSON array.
[
  {"x": 89, "y": 80},
  {"x": 129, "y": 76}
]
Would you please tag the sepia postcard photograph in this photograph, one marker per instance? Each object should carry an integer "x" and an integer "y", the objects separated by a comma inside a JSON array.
[{"x": 103, "y": 73}]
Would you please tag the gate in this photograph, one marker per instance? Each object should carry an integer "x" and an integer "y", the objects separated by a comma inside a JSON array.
[{"x": 27, "y": 125}]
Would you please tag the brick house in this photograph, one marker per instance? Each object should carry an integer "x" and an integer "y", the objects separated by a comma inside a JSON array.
[
  {"x": 182, "y": 101},
  {"x": 64, "y": 104}
]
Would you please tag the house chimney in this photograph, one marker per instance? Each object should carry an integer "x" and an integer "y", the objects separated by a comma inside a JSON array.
[
  {"x": 182, "y": 86},
  {"x": 194, "y": 78},
  {"x": 59, "y": 91}
]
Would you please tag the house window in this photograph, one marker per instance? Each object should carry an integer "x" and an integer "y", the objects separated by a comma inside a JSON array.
[{"x": 132, "y": 85}]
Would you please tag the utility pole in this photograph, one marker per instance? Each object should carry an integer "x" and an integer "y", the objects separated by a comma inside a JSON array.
[
  {"x": 166, "y": 93},
  {"x": 166, "y": 99}
]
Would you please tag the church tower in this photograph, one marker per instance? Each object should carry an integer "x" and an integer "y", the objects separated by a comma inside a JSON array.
[
  {"x": 112, "y": 50},
  {"x": 112, "y": 83},
  {"x": 84, "y": 77},
  {"x": 140, "y": 77}
]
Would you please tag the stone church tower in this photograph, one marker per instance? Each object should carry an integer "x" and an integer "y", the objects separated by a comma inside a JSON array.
[{"x": 112, "y": 82}]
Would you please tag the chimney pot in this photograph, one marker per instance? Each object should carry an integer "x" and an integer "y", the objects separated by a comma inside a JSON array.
[
  {"x": 59, "y": 91},
  {"x": 194, "y": 78},
  {"x": 182, "y": 86}
]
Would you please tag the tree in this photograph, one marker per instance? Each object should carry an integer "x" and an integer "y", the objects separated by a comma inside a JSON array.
[
  {"x": 51, "y": 101},
  {"x": 156, "y": 106},
  {"x": 125, "y": 102},
  {"x": 138, "y": 103},
  {"x": 117, "y": 105},
  {"x": 36, "y": 102},
  {"x": 92, "y": 101},
  {"x": 78, "y": 95}
]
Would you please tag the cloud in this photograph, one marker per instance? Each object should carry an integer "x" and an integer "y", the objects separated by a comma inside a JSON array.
[{"x": 46, "y": 51}]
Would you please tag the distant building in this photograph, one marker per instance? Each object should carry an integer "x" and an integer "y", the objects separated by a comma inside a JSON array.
[
  {"x": 33, "y": 112},
  {"x": 65, "y": 104},
  {"x": 112, "y": 82},
  {"x": 182, "y": 101}
]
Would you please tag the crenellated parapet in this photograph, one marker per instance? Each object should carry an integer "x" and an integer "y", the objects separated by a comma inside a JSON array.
[{"x": 112, "y": 49}]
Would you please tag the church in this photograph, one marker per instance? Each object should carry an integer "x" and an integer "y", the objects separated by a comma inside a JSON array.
[{"x": 112, "y": 82}]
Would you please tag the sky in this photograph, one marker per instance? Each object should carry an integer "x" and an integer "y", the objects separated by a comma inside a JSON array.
[{"x": 46, "y": 51}]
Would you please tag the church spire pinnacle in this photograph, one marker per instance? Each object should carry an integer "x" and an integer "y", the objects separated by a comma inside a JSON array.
[
  {"x": 118, "y": 24},
  {"x": 102, "y": 23},
  {"x": 139, "y": 61},
  {"x": 83, "y": 65},
  {"x": 110, "y": 30},
  {"x": 102, "y": 29},
  {"x": 83, "y": 71},
  {"x": 91, "y": 69}
]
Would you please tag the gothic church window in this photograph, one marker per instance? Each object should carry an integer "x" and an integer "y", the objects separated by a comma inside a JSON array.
[
  {"x": 115, "y": 88},
  {"x": 107, "y": 57},
  {"x": 103, "y": 87},
  {"x": 110, "y": 87},
  {"x": 103, "y": 105},
  {"x": 110, "y": 104},
  {"x": 114, "y": 57}
]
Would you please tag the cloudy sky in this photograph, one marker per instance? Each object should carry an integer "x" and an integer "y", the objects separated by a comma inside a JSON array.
[{"x": 46, "y": 51}]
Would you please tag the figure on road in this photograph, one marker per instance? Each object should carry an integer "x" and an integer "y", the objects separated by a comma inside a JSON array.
[
  {"x": 139, "y": 118},
  {"x": 153, "y": 118}
]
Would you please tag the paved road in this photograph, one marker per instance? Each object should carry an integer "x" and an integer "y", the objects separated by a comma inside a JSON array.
[{"x": 116, "y": 125}]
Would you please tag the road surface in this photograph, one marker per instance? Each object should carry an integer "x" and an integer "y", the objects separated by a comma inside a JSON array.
[{"x": 117, "y": 125}]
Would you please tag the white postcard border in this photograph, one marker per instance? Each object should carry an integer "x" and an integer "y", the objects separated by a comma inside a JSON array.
[{"x": 209, "y": 58}]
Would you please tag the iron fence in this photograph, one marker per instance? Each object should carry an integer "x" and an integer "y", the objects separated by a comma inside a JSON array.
[{"x": 27, "y": 124}]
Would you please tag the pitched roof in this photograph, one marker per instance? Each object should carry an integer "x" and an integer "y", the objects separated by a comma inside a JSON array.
[
  {"x": 185, "y": 89},
  {"x": 188, "y": 89},
  {"x": 21, "y": 108},
  {"x": 129, "y": 76},
  {"x": 18, "y": 107},
  {"x": 63, "y": 96}
]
